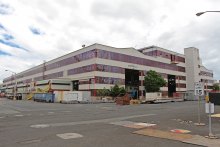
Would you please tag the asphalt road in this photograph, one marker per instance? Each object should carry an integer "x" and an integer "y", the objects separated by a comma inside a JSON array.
[{"x": 35, "y": 124}]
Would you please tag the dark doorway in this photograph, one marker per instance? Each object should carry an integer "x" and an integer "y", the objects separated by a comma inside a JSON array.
[
  {"x": 171, "y": 85},
  {"x": 132, "y": 82},
  {"x": 75, "y": 85}
]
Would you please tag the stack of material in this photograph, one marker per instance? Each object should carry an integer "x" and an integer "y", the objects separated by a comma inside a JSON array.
[
  {"x": 134, "y": 102},
  {"x": 125, "y": 100}
]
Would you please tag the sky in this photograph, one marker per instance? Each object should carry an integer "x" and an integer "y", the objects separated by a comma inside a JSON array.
[{"x": 34, "y": 31}]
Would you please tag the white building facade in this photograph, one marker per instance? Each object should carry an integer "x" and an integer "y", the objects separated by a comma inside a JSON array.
[
  {"x": 196, "y": 71},
  {"x": 99, "y": 66}
]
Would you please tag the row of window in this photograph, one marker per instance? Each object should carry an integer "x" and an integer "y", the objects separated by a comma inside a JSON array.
[
  {"x": 165, "y": 55},
  {"x": 29, "y": 73},
  {"x": 49, "y": 76},
  {"x": 208, "y": 87},
  {"x": 207, "y": 81},
  {"x": 19, "y": 82},
  {"x": 58, "y": 64},
  {"x": 96, "y": 67},
  {"x": 107, "y": 68},
  {"x": 82, "y": 69},
  {"x": 164, "y": 75},
  {"x": 181, "y": 78},
  {"x": 8, "y": 79},
  {"x": 84, "y": 82},
  {"x": 180, "y": 85},
  {"x": 136, "y": 60},
  {"x": 204, "y": 73},
  {"x": 10, "y": 84},
  {"x": 108, "y": 80},
  {"x": 89, "y": 68},
  {"x": 119, "y": 81},
  {"x": 71, "y": 60},
  {"x": 54, "y": 75}
]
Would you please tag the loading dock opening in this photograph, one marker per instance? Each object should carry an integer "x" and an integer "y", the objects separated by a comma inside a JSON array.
[
  {"x": 75, "y": 85},
  {"x": 132, "y": 82},
  {"x": 171, "y": 85}
]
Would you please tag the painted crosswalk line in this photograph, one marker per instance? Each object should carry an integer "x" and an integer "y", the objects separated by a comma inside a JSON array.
[{"x": 70, "y": 135}]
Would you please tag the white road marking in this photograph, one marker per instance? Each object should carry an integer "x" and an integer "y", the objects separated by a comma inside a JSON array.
[
  {"x": 40, "y": 126},
  {"x": 2, "y": 117},
  {"x": 89, "y": 121},
  {"x": 19, "y": 115},
  {"x": 69, "y": 135},
  {"x": 145, "y": 124},
  {"x": 130, "y": 123}
]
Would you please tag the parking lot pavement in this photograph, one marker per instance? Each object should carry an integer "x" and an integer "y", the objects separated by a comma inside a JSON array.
[{"x": 28, "y": 123}]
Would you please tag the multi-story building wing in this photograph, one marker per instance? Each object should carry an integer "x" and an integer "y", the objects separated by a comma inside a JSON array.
[
  {"x": 100, "y": 66},
  {"x": 196, "y": 71}
]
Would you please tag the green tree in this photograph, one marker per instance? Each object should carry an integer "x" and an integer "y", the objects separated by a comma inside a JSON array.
[
  {"x": 103, "y": 92},
  {"x": 116, "y": 90},
  {"x": 122, "y": 91},
  {"x": 153, "y": 81},
  {"x": 216, "y": 86}
]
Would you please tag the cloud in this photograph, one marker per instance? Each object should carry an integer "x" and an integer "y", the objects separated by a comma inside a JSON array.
[
  {"x": 122, "y": 10},
  {"x": 51, "y": 28},
  {"x": 5, "y": 9},
  {"x": 36, "y": 31},
  {"x": 12, "y": 44},
  {"x": 7, "y": 36},
  {"x": 2, "y": 27},
  {"x": 2, "y": 53}
]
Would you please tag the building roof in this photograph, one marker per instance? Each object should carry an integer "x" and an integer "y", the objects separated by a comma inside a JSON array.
[{"x": 166, "y": 50}]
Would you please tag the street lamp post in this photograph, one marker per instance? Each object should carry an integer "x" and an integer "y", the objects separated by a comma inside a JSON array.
[
  {"x": 211, "y": 136},
  {"x": 15, "y": 87},
  {"x": 200, "y": 13}
]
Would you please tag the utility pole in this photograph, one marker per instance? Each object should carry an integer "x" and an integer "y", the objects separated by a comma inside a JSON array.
[{"x": 15, "y": 86}]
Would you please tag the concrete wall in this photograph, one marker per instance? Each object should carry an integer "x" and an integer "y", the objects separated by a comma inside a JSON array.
[{"x": 192, "y": 66}]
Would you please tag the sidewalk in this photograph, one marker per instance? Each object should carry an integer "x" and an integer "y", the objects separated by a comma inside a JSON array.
[{"x": 185, "y": 138}]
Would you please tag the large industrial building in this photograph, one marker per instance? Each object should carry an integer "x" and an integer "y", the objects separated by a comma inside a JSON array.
[{"x": 99, "y": 66}]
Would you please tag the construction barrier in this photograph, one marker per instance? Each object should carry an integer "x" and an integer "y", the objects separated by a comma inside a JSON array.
[
  {"x": 124, "y": 100},
  {"x": 44, "y": 97}
]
